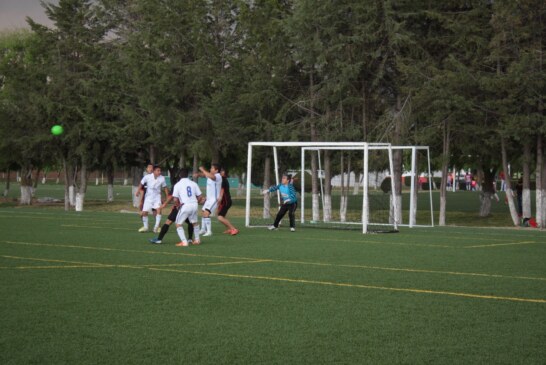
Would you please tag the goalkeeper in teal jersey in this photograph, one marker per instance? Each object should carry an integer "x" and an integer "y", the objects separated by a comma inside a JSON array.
[{"x": 289, "y": 202}]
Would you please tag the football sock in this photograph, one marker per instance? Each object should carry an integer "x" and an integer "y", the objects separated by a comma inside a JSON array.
[
  {"x": 207, "y": 224},
  {"x": 157, "y": 220},
  {"x": 181, "y": 234},
  {"x": 145, "y": 221},
  {"x": 196, "y": 232},
  {"x": 163, "y": 232}
]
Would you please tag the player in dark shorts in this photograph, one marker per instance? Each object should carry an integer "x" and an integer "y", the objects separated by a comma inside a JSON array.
[
  {"x": 170, "y": 219},
  {"x": 225, "y": 204}
]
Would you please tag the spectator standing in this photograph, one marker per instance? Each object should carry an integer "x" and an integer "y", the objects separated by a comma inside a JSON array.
[{"x": 468, "y": 181}]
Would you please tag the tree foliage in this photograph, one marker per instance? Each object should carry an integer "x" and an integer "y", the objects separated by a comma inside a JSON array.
[{"x": 169, "y": 80}]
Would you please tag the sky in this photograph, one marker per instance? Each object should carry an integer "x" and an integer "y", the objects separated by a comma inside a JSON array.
[{"x": 14, "y": 12}]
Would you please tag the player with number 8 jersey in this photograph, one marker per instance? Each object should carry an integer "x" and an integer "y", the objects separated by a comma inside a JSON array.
[{"x": 186, "y": 194}]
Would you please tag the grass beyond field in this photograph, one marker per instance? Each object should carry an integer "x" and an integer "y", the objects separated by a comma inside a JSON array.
[
  {"x": 462, "y": 206},
  {"x": 86, "y": 288}
]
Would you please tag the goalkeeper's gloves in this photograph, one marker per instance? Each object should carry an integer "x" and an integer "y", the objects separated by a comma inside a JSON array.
[
  {"x": 265, "y": 191},
  {"x": 287, "y": 201}
]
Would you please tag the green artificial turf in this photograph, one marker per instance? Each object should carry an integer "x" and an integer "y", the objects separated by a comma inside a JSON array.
[{"x": 86, "y": 288}]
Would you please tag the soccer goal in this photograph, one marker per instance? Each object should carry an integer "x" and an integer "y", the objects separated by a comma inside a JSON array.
[{"x": 352, "y": 185}]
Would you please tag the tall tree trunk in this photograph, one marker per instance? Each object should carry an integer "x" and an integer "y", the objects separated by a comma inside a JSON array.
[
  {"x": 541, "y": 158},
  {"x": 358, "y": 181},
  {"x": 345, "y": 192},
  {"x": 445, "y": 163},
  {"x": 35, "y": 182},
  {"x": 415, "y": 192},
  {"x": 26, "y": 185},
  {"x": 195, "y": 164},
  {"x": 215, "y": 154},
  {"x": 151, "y": 151},
  {"x": 543, "y": 189},
  {"x": 343, "y": 195},
  {"x": 345, "y": 180},
  {"x": 479, "y": 178},
  {"x": 8, "y": 178},
  {"x": 72, "y": 187},
  {"x": 486, "y": 194},
  {"x": 540, "y": 174},
  {"x": 267, "y": 182},
  {"x": 364, "y": 113},
  {"x": 136, "y": 177},
  {"x": 110, "y": 178},
  {"x": 314, "y": 163},
  {"x": 80, "y": 195},
  {"x": 485, "y": 204},
  {"x": 509, "y": 192},
  {"x": 396, "y": 206},
  {"x": 68, "y": 182},
  {"x": 315, "y": 192},
  {"x": 182, "y": 160},
  {"x": 327, "y": 209},
  {"x": 526, "y": 197}
]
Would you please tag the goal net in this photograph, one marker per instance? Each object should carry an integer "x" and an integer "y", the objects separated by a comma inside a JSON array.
[{"x": 343, "y": 185}]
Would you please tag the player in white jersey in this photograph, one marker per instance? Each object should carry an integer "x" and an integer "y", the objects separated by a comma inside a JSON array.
[
  {"x": 154, "y": 183},
  {"x": 214, "y": 185},
  {"x": 139, "y": 195},
  {"x": 187, "y": 195}
]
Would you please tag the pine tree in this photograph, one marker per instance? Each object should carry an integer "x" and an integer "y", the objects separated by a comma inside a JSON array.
[{"x": 73, "y": 53}]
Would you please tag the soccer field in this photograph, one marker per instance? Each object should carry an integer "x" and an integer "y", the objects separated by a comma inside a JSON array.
[{"x": 86, "y": 288}]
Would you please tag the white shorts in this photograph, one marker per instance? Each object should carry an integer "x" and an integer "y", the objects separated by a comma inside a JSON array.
[
  {"x": 151, "y": 202},
  {"x": 211, "y": 205},
  {"x": 187, "y": 211}
]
